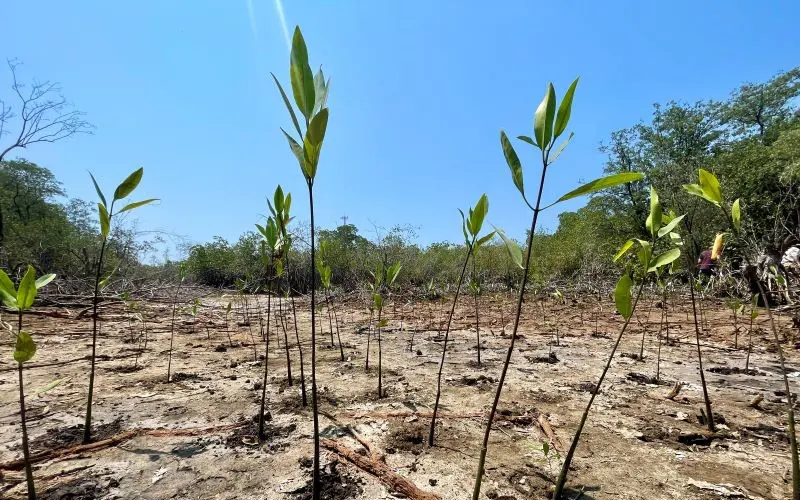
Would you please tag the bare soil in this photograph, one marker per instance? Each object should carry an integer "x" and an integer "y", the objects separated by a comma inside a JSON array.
[{"x": 637, "y": 444}]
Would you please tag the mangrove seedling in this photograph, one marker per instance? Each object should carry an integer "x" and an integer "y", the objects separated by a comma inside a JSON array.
[
  {"x": 270, "y": 246},
  {"x": 181, "y": 279},
  {"x": 753, "y": 316},
  {"x": 384, "y": 279},
  {"x": 646, "y": 262},
  {"x": 325, "y": 279},
  {"x": 548, "y": 126},
  {"x": 471, "y": 227},
  {"x": 20, "y": 300},
  {"x": 227, "y": 323},
  {"x": 310, "y": 95},
  {"x": 106, "y": 213},
  {"x": 737, "y": 309}
]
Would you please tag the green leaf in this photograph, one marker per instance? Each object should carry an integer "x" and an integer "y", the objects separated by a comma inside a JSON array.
[
  {"x": 320, "y": 91},
  {"x": 97, "y": 188},
  {"x": 528, "y": 140},
  {"x": 301, "y": 76},
  {"x": 464, "y": 227},
  {"x": 602, "y": 183},
  {"x": 564, "y": 110},
  {"x": 312, "y": 143},
  {"x": 25, "y": 348},
  {"x": 623, "y": 250},
  {"x": 484, "y": 240},
  {"x": 278, "y": 200},
  {"x": 105, "y": 220},
  {"x": 645, "y": 253},
  {"x": 288, "y": 105},
  {"x": 317, "y": 127},
  {"x": 513, "y": 162},
  {"x": 622, "y": 296},
  {"x": 664, "y": 259},
  {"x": 137, "y": 204},
  {"x": 514, "y": 251},
  {"x": 694, "y": 190},
  {"x": 26, "y": 292},
  {"x": 736, "y": 214},
  {"x": 52, "y": 385},
  {"x": 392, "y": 272},
  {"x": 670, "y": 226},
  {"x": 377, "y": 300},
  {"x": 44, "y": 280},
  {"x": 383, "y": 323},
  {"x": 543, "y": 118},
  {"x": 104, "y": 282},
  {"x": 128, "y": 185},
  {"x": 310, "y": 159},
  {"x": 297, "y": 149},
  {"x": 9, "y": 298},
  {"x": 6, "y": 285},
  {"x": 710, "y": 186},
  {"x": 560, "y": 149},
  {"x": 287, "y": 205},
  {"x": 477, "y": 216},
  {"x": 653, "y": 222}
]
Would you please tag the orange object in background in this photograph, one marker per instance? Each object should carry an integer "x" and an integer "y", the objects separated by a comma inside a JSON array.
[{"x": 716, "y": 250}]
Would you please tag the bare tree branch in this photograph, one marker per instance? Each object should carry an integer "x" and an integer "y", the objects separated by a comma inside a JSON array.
[{"x": 42, "y": 114}]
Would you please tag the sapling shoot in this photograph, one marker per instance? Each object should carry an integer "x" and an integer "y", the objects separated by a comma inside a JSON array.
[
  {"x": 270, "y": 246},
  {"x": 325, "y": 279},
  {"x": 300, "y": 350},
  {"x": 709, "y": 189},
  {"x": 20, "y": 300},
  {"x": 646, "y": 262},
  {"x": 471, "y": 227},
  {"x": 310, "y": 94},
  {"x": 384, "y": 279},
  {"x": 181, "y": 278},
  {"x": 548, "y": 126},
  {"x": 737, "y": 309},
  {"x": 753, "y": 316},
  {"x": 106, "y": 214},
  {"x": 227, "y": 323}
]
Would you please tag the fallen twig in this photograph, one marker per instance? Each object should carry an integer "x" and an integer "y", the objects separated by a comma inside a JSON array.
[
  {"x": 380, "y": 470},
  {"x": 42, "y": 456}
]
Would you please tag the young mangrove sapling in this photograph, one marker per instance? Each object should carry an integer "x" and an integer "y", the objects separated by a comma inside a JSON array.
[
  {"x": 106, "y": 213},
  {"x": 181, "y": 278},
  {"x": 310, "y": 94},
  {"x": 548, "y": 126},
  {"x": 646, "y": 262},
  {"x": 471, "y": 227},
  {"x": 20, "y": 300}
]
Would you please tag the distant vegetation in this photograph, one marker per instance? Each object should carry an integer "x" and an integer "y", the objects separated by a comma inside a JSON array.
[{"x": 751, "y": 141}]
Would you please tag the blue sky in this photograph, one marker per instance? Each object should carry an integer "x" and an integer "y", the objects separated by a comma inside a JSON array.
[{"x": 420, "y": 90}]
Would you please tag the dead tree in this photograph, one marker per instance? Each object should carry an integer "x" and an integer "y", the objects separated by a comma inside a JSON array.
[{"x": 37, "y": 113}]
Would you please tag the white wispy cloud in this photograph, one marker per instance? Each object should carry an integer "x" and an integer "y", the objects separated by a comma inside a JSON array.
[
  {"x": 282, "y": 19},
  {"x": 251, "y": 13}
]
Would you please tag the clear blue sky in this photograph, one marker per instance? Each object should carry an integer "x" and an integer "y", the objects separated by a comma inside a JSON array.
[{"x": 419, "y": 92}]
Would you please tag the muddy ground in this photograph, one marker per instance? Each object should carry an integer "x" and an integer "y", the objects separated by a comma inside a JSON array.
[{"x": 637, "y": 444}]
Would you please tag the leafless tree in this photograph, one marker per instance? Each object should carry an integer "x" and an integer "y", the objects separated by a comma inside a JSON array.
[{"x": 36, "y": 113}]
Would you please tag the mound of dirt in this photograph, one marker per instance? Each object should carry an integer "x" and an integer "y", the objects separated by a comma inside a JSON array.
[{"x": 336, "y": 485}]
